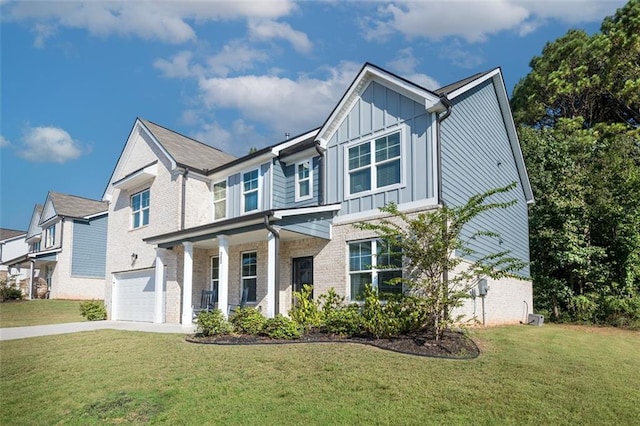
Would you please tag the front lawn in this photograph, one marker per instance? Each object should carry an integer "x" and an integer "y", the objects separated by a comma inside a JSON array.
[
  {"x": 525, "y": 375},
  {"x": 39, "y": 312}
]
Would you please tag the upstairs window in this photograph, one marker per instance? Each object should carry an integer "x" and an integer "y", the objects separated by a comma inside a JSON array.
[
  {"x": 140, "y": 209},
  {"x": 220, "y": 200},
  {"x": 35, "y": 247},
  {"x": 374, "y": 262},
  {"x": 368, "y": 172},
  {"x": 304, "y": 177},
  {"x": 50, "y": 236},
  {"x": 250, "y": 190}
]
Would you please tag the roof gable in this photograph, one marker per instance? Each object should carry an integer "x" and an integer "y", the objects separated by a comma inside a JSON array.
[
  {"x": 367, "y": 74},
  {"x": 34, "y": 227},
  {"x": 70, "y": 206}
]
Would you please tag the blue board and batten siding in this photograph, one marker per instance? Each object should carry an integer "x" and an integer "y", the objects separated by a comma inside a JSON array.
[
  {"x": 235, "y": 193},
  {"x": 89, "y": 248},
  {"x": 476, "y": 157},
  {"x": 315, "y": 225},
  {"x": 380, "y": 111},
  {"x": 284, "y": 185}
]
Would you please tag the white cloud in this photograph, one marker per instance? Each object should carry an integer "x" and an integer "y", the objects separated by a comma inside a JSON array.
[
  {"x": 283, "y": 104},
  {"x": 237, "y": 140},
  {"x": 50, "y": 145},
  {"x": 474, "y": 21},
  {"x": 464, "y": 58},
  {"x": 405, "y": 65},
  {"x": 235, "y": 56},
  {"x": 166, "y": 21},
  {"x": 178, "y": 66},
  {"x": 267, "y": 30},
  {"x": 4, "y": 142}
]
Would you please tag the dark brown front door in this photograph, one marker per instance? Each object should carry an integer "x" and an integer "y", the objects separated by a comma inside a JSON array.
[{"x": 302, "y": 272}]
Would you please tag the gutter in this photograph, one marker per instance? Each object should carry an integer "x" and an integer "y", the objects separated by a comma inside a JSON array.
[
  {"x": 276, "y": 235},
  {"x": 447, "y": 103},
  {"x": 320, "y": 151},
  {"x": 184, "y": 198}
]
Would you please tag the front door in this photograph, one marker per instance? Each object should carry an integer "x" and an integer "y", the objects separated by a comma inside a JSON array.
[{"x": 302, "y": 272}]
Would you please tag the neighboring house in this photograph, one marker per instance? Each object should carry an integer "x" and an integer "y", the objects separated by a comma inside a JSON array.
[
  {"x": 12, "y": 246},
  {"x": 184, "y": 216},
  {"x": 67, "y": 244}
]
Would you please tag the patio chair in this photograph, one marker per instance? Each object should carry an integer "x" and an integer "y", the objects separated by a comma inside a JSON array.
[
  {"x": 208, "y": 302},
  {"x": 243, "y": 301}
]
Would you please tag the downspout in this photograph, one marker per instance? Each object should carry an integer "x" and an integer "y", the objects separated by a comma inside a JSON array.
[
  {"x": 320, "y": 174},
  {"x": 183, "y": 202},
  {"x": 276, "y": 235},
  {"x": 447, "y": 103}
]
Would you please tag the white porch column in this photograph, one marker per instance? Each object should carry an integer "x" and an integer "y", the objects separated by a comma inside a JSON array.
[
  {"x": 158, "y": 311},
  {"x": 223, "y": 274},
  {"x": 271, "y": 275},
  {"x": 187, "y": 284},
  {"x": 31, "y": 272}
]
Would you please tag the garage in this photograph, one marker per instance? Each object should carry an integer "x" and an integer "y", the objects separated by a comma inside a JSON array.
[{"x": 135, "y": 295}]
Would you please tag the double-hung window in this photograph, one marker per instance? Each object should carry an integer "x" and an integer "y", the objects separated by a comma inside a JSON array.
[
  {"x": 374, "y": 262},
  {"x": 215, "y": 273},
  {"x": 250, "y": 190},
  {"x": 250, "y": 274},
  {"x": 50, "y": 236},
  {"x": 304, "y": 177},
  {"x": 367, "y": 171},
  {"x": 140, "y": 209},
  {"x": 220, "y": 200}
]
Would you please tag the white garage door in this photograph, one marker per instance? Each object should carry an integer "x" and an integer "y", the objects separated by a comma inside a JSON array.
[{"x": 135, "y": 295}]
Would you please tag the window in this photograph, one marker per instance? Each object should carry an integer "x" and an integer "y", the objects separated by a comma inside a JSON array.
[
  {"x": 215, "y": 273},
  {"x": 377, "y": 270},
  {"x": 35, "y": 247},
  {"x": 140, "y": 209},
  {"x": 250, "y": 274},
  {"x": 304, "y": 177},
  {"x": 220, "y": 200},
  {"x": 250, "y": 190},
  {"x": 385, "y": 170},
  {"x": 50, "y": 236}
]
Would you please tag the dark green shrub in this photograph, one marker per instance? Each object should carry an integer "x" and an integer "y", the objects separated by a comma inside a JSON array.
[
  {"x": 330, "y": 302},
  {"x": 621, "y": 311},
  {"x": 346, "y": 321},
  {"x": 9, "y": 293},
  {"x": 281, "y": 327},
  {"x": 412, "y": 313},
  {"x": 376, "y": 320},
  {"x": 305, "y": 310},
  {"x": 212, "y": 323},
  {"x": 93, "y": 310},
  {"x": 583, "y": 307},
  {"x": 247, "y": 321}
]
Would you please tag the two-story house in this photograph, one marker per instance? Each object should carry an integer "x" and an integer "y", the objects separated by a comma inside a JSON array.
[
  {"x": 67, "y": 240},
  {"x": 12, "y": 248},
  {"x": 184, "y": 216}
]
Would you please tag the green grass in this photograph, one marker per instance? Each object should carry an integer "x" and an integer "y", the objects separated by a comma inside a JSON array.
[
  {"x": 525, "y": 375},
  {"x": 39, "y": 312}
]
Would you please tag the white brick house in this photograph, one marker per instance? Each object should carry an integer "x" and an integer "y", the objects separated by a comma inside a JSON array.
[{"x": 184, "y": 216}]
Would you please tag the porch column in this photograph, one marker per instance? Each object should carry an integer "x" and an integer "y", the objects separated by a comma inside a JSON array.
[
  {"x": 223, "y": 274},
  {"x": 187, "y": 284},
  {"x": 31, "y": 272},
  {"x": 271, "y": 275},
  {"x": 158, "y": 312}
]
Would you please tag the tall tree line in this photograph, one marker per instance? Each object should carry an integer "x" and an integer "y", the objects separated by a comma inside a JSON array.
[{"x": 578, "y": 113}]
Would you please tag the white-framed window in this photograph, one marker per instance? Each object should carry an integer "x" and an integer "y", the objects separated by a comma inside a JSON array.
[
  {"x": 304, "y": 180},
  {"x": 374, "y": 262},
  {"x": 50, "y": 236},
  {"x": 140, "y": 209},
  {"x": 35, "y": 247},
  {"x": 250, "y": 190},
  {"x": 249, "y": 274},
  {"x": 215, "y": 273},
  {"x": 220, "y": 200},
  {"x": 374, "y": 164}
]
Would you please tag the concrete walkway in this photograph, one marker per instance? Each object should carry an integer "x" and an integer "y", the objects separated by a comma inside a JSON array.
[{"x": 12, "y": 333}]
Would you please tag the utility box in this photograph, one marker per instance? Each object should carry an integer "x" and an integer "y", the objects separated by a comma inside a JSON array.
[{"x": 535, "y": 319}]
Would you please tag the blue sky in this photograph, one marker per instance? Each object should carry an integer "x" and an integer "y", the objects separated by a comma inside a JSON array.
[{"x": 75, "y": 75}]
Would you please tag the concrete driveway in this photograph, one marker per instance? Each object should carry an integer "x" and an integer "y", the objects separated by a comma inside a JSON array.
[{"x": 12, "y": 333}]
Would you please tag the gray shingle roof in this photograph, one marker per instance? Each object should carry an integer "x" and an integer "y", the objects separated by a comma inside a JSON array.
[
  {"x": 188, "y": 152},
  {"x": 445, "y": 90},
  {"x": 74, "y": 206},
  {"x": 6, "y": 234}
]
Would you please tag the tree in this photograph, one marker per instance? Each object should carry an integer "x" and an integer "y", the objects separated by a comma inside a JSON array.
[
  {"x": 594, "y": 77},
  {"x": 432, "y": 248},
  {"x": 578, "y": 112}
]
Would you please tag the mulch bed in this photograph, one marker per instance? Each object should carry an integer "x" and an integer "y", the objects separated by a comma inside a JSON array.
[{"x": 453, "y": 345}]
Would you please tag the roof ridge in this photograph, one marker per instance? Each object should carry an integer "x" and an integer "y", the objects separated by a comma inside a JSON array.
[
  {"x": 184, "y": 136},
  {"x": 75, "y": 196}
]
